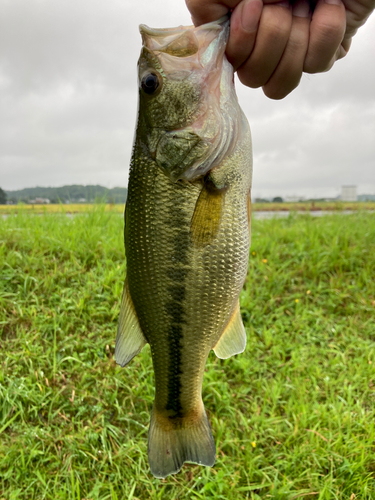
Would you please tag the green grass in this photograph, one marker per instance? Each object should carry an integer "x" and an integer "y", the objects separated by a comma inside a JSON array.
[
  {"x": 293, "y": 416},
  {"x": 304, "y": 206}
]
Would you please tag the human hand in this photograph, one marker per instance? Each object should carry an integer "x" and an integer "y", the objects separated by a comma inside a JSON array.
[{"x": 271, "y": 43}]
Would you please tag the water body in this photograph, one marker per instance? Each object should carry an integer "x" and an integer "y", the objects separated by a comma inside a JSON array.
[{"x": 265, "y": 214}]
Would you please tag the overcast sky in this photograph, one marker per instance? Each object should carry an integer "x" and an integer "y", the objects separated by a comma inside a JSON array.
[{"x": 68, "y": 100}]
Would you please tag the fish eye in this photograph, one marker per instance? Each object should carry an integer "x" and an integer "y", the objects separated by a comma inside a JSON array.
[{"x": 150, "y": 83}]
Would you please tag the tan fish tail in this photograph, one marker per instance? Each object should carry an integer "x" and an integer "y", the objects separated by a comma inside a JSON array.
[{"x": 173, "y": 441}]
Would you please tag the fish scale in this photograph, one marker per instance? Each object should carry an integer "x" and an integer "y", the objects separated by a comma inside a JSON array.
[{"x": 186, "y": 238}]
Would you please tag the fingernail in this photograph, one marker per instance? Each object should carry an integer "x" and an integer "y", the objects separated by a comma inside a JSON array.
[
  {"x": 250, "y": 15},
  {"x": 301, "y": 9},
  {"x": 333, "y": 2}
]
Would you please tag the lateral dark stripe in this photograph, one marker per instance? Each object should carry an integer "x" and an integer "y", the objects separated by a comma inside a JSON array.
[{"x": 177, "y": 272}]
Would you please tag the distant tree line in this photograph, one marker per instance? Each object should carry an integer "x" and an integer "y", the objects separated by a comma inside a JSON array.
[
  {"x": 73, "y": 194},
  {"x": 277, "y": 199},
  {"x": 3, "y": 197}
]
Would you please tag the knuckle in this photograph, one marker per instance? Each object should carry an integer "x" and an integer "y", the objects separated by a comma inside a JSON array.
[
  {"x": 277, "y": 23},
  {"x": 276, "y": 29},
  {"x": 277, "y": 90},
  {"x": 247, "y": 79},
  {"x": 274, "y": 94},
  {"x": 329, "y": 35},
  {"x": 317, "y": 66},
  {"x": 329, "y": 29}
]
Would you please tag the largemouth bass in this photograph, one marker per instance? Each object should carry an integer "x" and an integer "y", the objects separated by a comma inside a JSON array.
[{"x": 187, "y": 231}]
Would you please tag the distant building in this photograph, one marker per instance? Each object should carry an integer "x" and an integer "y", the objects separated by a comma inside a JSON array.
[{"x": 349, "y": 193}]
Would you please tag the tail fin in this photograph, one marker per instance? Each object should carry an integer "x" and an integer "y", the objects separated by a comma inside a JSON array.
[{"x": 171, "y": 442}]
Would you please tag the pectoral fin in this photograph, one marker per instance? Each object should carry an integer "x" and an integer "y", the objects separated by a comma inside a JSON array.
[
  {"x": 206, "y": 219},
  {"x": 130, "y": 339},
  {"x": 233, "y": 339}
]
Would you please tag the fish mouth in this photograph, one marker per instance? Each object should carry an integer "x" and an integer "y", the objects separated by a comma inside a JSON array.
[
  {"x": 158, "y": 32},
  {"x": 175, "y": 41}
]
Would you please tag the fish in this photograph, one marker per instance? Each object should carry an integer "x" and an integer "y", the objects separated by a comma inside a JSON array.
[{"x": 187, "y": 231}]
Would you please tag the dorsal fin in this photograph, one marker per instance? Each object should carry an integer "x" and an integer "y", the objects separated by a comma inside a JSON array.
[
  {"x": 233, "y": 338},
  {"x": 130, "y": 339}
]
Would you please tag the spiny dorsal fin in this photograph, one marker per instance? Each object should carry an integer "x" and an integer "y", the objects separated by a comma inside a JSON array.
[
  {"x": 206, "y": 219},
  {"x": 233, "y": 339},
  {"x": 130, "y": 339}
]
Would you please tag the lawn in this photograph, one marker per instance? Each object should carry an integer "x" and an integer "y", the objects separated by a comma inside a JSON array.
[
  {"x": 303, "y": 206},
  {"x": 293, "y": 416}
]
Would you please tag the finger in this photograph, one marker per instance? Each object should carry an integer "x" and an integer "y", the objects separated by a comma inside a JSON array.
[
  {"x": 288, "y": 73},
  {"x": 272, "y": 36},
  {"x": 209, "y": 10},
  {"x": 243, "y": 30},
  {"x": 357, "y": 12},
  {"x": 327, "y": 31}
]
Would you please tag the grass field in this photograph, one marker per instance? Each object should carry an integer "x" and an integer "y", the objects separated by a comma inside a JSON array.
[
  {"x": 293, "y": 417},
  {"x": 307, "y": 206}
]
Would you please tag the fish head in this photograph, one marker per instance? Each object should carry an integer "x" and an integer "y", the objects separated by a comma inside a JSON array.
[{"x": 180, "y": 72}]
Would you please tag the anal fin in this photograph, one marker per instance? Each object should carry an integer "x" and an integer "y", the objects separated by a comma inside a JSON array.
[
  {"x": 233, "y": 339},
  {"x": 130, "y": 339}
]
